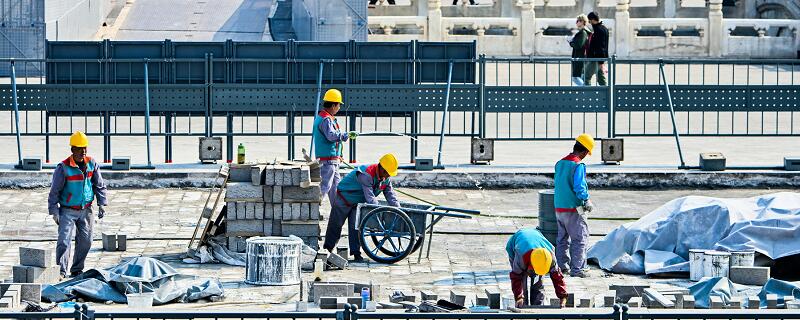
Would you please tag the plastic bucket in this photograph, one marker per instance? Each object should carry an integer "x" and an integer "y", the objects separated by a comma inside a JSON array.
[
  {"x": 716, "y": 264},
  {"x": 696, "y": 264},
  {"x": 140, "y": 300},
  {"x": 743, "y": 258},
  {"x": 273, "y": 261}
]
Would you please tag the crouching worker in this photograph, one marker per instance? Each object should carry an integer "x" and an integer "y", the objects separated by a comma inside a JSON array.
[
  {"x": 531, "y": 257},
  {"x": 362, "y": 185}
]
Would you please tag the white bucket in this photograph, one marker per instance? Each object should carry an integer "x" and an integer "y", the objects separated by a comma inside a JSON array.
[
  {"x": 140, "y": 300},
  {"x": 743, "y": 258},
  {"x": 696, "y": 264},
  {"x": 273, "y": 261},
  {"x": 716, "y": 264}
]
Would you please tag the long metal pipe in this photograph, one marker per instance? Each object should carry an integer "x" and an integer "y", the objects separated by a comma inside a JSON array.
[
  {"x": 444, "y": 116},
  {"x": 671, "y": 111},
  {"x": 316, "y": 106},
  {"x": 16, "y": 111},
  {"x": 147, "y": 110}
]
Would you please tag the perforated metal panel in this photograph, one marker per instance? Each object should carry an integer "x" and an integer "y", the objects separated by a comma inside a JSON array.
[
  {"x": 251, "y": 98},
  {"x": 30, "y": 97},
  {"x": 708, "y": 98},
  {"x": 411, "y": 98},
  {"x": 546, "y": 99},
  {"x": 775, "y": 98}
]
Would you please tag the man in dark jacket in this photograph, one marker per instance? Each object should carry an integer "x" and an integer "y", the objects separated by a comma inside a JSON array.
[{"x": 597, "y": 47}]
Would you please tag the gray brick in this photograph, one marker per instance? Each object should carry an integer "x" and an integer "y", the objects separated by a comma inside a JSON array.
[
  {"x": 122, "y": 242},
  {"x": 458, "y": 297},
  {"x": 230, "y": 211},
  {"x": 287, "y": 211},
  {"x": 717, "y": 303},
  {"x": 493, "y": 294},
  {"x": 13, "y": 293},
  {"x": 250, "y": 212},
  {"x": 296, "y": 211},
  {"x": 277, "y": 194},
  {"x": 314, "y": 211},
  {"x": 287, "y": 176},
  {"x": 244, "y": 228},
  {"x": 237, "y": 244},
  {"x": 36, "y": 257},
  {"x": 277, "y": 171},
  {"x": 555, "y": 302},
  {"x": 28, "y": 274},
  {"x": 7, "y": 302},
  {"x": 243, "y": 192},
  {"x": 325, "y": 289},
  {"x": 429, "y": 295},
  {"x": 241, "y": 210},
  {"x": 267, "y": 225},
  {"x": 584, "y": 302},
  {"x": 257, "y": 175},
  {"x": 240, "y": 173},
  {"x": 277, "y": 211},
  {"x": 753, "y": 302},
  {"x": 268, "y": 211},
  {"x": 269, "y": 193},
  {"x": 109, "y": 241},
  {"x": 328, "y": 303},
  {"x": 298, "y": 194},
  {"x": 259, "y": 211},
  {"x": 314, "y": 171},
  {"x": 305, "y": 211},
  {"x": 336, "y": 261},
  {"x": 756, "y": 276},
  {"x": 481, "y": 300},
  {"x": 305, "y": 174},
  {"x": 269, "y": 175},
  {"x": 772, "y": 301},
  {"x": 688, "y": 302},
  {"x": 300, "y": 229},
  {"x": 27, "y": 291},
  {"x": 277, "y": 227},
  {"x": 296, "y": 176}
]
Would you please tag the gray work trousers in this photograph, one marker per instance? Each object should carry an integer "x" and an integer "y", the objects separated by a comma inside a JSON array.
[
  {"x": 329, "y": 172},
  {"x": 573, "y": 235},
  {"x": 339, "y": 213},
  {"x": 78, "y": 223},
  {"x": 535, "y": 295}
]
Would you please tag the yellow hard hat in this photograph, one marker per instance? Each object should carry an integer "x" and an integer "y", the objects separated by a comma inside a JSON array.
[
  {"x": 333, "y": 95},
  {"x": 79, "y": 139},
  {"x": 587, "y": 141},
  {"x": 541, "y": 260},
  {"x": 389, "y": 163}
]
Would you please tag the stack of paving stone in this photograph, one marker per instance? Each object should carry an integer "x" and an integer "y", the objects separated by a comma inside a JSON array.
[
  {"x": 36, "y": 265},
  {"x": 279, "y": 199}
]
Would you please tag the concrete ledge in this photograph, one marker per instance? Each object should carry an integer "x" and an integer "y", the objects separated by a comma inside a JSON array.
[{"x": 464, "y": 177}]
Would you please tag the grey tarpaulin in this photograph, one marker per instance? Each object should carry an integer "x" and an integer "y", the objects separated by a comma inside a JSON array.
[
  {"x": 660, "y": 241},
  {"x": 154, "y": 275}
]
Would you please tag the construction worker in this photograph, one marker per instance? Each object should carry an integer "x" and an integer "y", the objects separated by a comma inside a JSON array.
[
  {"x": 531, "y": 256},
  {"x": 76, "y": 184},
  {"x": 572, "y": 205},
  {"x": 362, "y": 185},
  {"x": 328, "y": 141}
]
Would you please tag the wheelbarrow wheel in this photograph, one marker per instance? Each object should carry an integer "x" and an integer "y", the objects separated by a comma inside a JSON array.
[
  {"x": 387, "y": 235},
  {"x": 388, "y": 251}
]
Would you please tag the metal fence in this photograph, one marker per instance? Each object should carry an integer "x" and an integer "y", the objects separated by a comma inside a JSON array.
[
  {"x": 418, "y": 89},
  {"x": 351, "y": 312}
]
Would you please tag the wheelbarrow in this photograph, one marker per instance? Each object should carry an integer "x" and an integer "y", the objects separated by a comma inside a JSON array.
[{"x": 390, "y": 234}]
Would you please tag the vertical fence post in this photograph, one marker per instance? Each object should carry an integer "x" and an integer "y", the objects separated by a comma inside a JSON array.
[
  {"x": 414, "y": 134},
  {"x": 15, "y": 102},
  {"x": 168, "y": 137},
  {"x": 612, "y": 78},
  {"x": 290, "y": 134},
  {"x": 107, "y": 136},
  {"x": 47, "y": 136},
  {"x": 316, "y": 106},
  {"x": 671, "y": 111},
  {"x": 229, "y": 136},
  {"x": 482, "y": 97},
  {"x": 209, "y": 118},
  {"x": 147, "y": 109},
  {"x": 444, "y": 115}
]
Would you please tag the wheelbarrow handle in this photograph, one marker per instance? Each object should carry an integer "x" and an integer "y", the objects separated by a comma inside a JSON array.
[{"x": 467, "y": 211}]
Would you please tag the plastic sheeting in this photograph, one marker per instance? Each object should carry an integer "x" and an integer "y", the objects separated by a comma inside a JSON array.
[
  {"x": 660, "y": 241},
  {"x": 781, "y": 288},
  {"x": 707, "y": 287},
  {"x": 153, "y": 275}
]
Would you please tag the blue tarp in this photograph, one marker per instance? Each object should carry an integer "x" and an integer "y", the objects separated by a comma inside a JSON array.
[
  {"x": 707, "y": 287},
  {"x": 779, "y": 287},
  {"x": 112, "y": 284},
  {"x": 660, "y": 241}
]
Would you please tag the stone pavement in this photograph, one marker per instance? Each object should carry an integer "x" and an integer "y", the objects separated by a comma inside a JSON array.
[{"x": 466, "y": 254}]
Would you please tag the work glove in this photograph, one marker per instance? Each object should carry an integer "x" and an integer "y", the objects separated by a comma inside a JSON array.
[
  {"x": 55, "y": 218},
  {"x": 101, "y": 212},
  {"x": 352, "y": 135},
  {"x": 588, "y": 206}
]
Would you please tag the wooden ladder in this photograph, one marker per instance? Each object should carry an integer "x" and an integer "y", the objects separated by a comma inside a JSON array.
[{"x": 210, "y": 219}]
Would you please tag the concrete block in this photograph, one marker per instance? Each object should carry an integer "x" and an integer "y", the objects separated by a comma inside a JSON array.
[
  {"x": 428, "y": 295},
  {"x": 735, "y": 303},
  {"x": 241, "y": 210},
  {"x": 301, "y": 228},
  {"x": 458, "y": 297},
  {"x": 494, "y": 297},
  {"x": 296, "y": 211},
  {"x": 277, "y": 211},
  {"x": 794, "y": 305},
  {"x": 555, "y": 302},
  {"x": 626, "y": 291},
  {"x": 328, "y": 303},
  {"x": 305, "y": 174},
  {"x": 267, "y": 225},
  {"x": 354, "y": 300},
  {"x": 7, "y": 302},
  {"x": 230, "y": 211},
  {"x": 635, "y": 302},
  {"x": 584, "y": 302},
  {"x": 313, "y": 211},
  {"x": 240, "y": 173},
  {"x": 784, "y": 303},
  {"x": 481, "y": 300},
  {"x": 259, "y": 211},
  {"x": 314, "y": 171},
  {"x": 109, "y": 242},
  {"x": 122, "y": 242},
  {"x": 269, "y": 193},
  {"x": 342, "y": 251},
  {"x": 250, "y": 211},
  {"x": 298, "y": 194},
  {"x": 305, "y": 213},
  {"x": 329, "y": 289},
  {"x": 13, "y": 293},
  {"x": 28, "y": 274},
  {"x": 245, "y": 228},
  {"x": 287, "y": 176},
  {"x": 237, "y": 244},
  {"x": 570, "y": 300},
  {"x": 688, "y": 302},
  {"x": 277, "y": 194},
  {"x": 256, "y": 175},
  {"x": 27, "y": 291},
  {"x": 278, "y": 173},
  {"x": 277, "y": 227},
  {"x": 36, "y": 257},
  {"x": 269, "y": 175},
  {"x": 753, "y": 302},
  {"x": 756, "y": 276},
  {"x": 296, "y": 176},
  {"x": 609, "y": 298},
  {"x": 336, "y": 261},
  {"x": 243, "y": 192},
  {"x": 772, "y": 301},
  {"x": 678, "y": 301},
  {"x": 717, "y": 303},
  {"x": 287, "y": 211}
]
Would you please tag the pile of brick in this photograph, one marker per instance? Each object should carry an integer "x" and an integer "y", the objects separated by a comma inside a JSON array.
[
  {"x": 279, "y": 199},
  {"x": 35, "y": 266}
]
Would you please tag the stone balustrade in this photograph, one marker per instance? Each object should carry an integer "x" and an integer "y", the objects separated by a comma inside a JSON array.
[{"x": 520, "y": 32}]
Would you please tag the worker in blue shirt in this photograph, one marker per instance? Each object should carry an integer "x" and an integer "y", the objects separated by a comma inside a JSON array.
[
  {"x": 572, "y": 204},
  {"x": 329, "y": 140}
]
